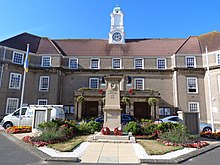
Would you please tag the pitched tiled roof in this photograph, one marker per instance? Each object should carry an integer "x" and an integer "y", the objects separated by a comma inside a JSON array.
[
  {"x": 133, "y": 47},
  {"x": 46, "y": 46},
  {"x": 191, "y": 46},
  {"x": 211, "y": 40},
  {"x": 20, "y": 42}
]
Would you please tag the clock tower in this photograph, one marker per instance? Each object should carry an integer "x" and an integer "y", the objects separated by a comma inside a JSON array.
[{"x": 117, "y": 34}]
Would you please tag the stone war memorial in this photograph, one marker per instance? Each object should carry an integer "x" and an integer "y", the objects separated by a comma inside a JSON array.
[{"x": 112, "y": 112}]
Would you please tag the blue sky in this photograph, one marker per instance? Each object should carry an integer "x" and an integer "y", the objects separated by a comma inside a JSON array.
[{"x": 91, "y": 18}]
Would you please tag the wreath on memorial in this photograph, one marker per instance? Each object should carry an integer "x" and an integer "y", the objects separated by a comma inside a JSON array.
[
  {"x": 105, "y": 131},
  {"x": 118, "y": 131}
]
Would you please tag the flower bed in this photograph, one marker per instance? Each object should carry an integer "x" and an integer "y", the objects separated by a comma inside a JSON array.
[
  {"x": 152, "y": 136},
  {"x": 19, "y": 129},
  {"x": 190, "y": 144},
  {"x": 215, "y": 135}
]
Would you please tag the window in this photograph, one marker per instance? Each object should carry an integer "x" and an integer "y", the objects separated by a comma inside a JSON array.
[
  {"x": 44, "y": 83},
  {"x": 94, "y": 83},
  {"x": 164, "y": 111},
  {"x": 139, "y": 83},
  {"x": 116, "y": 63},
  {"x": 161, "y": 63},
  {"x": 73, "y": 63},
  {"x": 192, "y": 85},
  {"x": 138, "y": 63},
  {"x": 68, "y": 109},
  {"x": 18, "y": 58},
  {"x": 218, "y": 59},
  {"x": 94, "y": 63},
  {"x": 42, "y": 101},
  {"x": 15, "y": 81},
  {"x": 46, "y": 61},
  {"x": 190, "y": 62},
  {"x": 193, "y": 107},
  {"x": 12, "y": 105}
]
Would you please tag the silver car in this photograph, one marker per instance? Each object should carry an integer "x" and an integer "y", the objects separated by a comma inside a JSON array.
[{"x": 175, "y": 119}]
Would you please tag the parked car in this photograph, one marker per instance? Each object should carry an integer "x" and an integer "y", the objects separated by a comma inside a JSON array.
[
  {"x": 125, "y": 118},
  {"x": 12, "y": 119},
  {"x": 204, "y": 127}
]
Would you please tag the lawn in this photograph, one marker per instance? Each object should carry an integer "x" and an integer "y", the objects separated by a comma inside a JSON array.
[
  {"x": 69, "y": 145},
  {"x": 152, "y": 147}
]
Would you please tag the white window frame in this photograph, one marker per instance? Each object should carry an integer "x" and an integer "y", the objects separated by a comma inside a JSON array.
[
  {"x": 92, "y": 66},
  {"x": 41, "y": 89},
  {"x": 43, "y": 62},
  {"x": 71, "y": 66},
  {"x": 217, "y": 58},
  {"x": 7, "y": 105},
  {"x": 142, "y": 63},
  {"x": 90, "y": 81},
  {"x": 12, "y": 85},
  {"x": 113, "y": 67},
  {"x": 194, "y": 61},
  {"x": 188, "y": 87},
  {"x": 135, "y": 83},
  {"x": 42, "y": 100},
  {"x": 15, "y": 61},
  {"x": 165, "y": 63},
  {"x": 189, "y": 106}
]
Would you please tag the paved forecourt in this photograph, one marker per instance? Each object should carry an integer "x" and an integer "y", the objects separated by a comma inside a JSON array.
[{"x": 99, "y": 152}]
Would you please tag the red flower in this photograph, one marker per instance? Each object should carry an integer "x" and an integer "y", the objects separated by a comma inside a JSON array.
[
  {"x": 105, "y": 131},
  {"x": 118, "y": 131},
  {"x": 130, "y": 91},
  {"x": 101, "y": 91}
]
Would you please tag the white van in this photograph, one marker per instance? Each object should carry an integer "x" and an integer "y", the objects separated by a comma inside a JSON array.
[{"x": 27, "y": 115}]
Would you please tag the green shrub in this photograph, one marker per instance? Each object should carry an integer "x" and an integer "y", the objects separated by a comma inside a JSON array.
[
  {"x": 165, "y": 126},
  {"x": 132, "y": 127},
  {"x": 83, "y": 128},
  {"x": 149, "y": 129},
  {"x": 177, "y": 134},
  {"x": 94, "y": 126}
]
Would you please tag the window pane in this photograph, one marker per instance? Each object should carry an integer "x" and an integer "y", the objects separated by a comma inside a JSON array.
[
  {"x": 12, "y": 105},
  {"x": 73, "y": 63},
  {"x": 44, "y": 83},
  {"x": 17, "y": 58},
  {"x": 218, "y": 59},
  {"x": 193, "y": 107},
  {"x": 116, "y": 63},
  {"x": 46, "y": 61},
  {"x": 94, "y": 63},
  {"x": 94, "y": 83},
  {"x": 42, "y": 102},
  {"x": 138, "y": 63},
  {"x": 192, "y": 84},
  {"x": 161, "y": 63},
  {"x": 15, "y": 80},
  {"x": 190, "y": 62},
  {"x": 139, "y": 84}
]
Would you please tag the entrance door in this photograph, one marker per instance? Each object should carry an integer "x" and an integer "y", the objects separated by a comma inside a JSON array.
[
  {"x": 142, "y": 110},
  {"x": 91, "y": 109}
]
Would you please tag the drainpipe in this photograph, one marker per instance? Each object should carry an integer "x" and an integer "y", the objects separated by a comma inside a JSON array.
[
  {"x": 175, "y": 89},
  {"x": 2, "y": 69}
]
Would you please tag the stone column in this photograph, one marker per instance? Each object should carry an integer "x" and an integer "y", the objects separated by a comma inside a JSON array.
[
  {"x": 79, "y": 110},
  {"x": 157, "y": 111},
  {"x": 75, "y": 110},
  {"x": 152, "y": 112},
  {"x": 99, "y": 108},
  {"x": 132, "y": 108}
]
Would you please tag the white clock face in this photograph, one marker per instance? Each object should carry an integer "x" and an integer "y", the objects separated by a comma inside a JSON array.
[{"x": 117, "y": 36}]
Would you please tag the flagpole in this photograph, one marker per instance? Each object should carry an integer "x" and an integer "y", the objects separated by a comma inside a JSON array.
[
  {"x": 23, "y": 84},
  {"x": 209, "y": 90}
]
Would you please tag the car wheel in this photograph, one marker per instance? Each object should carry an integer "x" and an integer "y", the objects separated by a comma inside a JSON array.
[
  {"x": 207, "y": 129},
  {"x": 7, "y": 124}
]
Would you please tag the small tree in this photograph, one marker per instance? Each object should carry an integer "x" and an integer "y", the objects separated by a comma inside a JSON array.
[
  {"x": 80, "y": 99},
  {"x": 125, "y": 100},
  {"x": 152, "y": 101}
]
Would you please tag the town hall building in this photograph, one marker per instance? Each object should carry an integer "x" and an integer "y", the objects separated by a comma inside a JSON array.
[{"x": 71, "y": 72}]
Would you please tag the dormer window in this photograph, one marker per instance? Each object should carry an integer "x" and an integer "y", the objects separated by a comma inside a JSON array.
[
  {"x": 190, "y": 61},
  {"x": 18, "y": 58}
]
